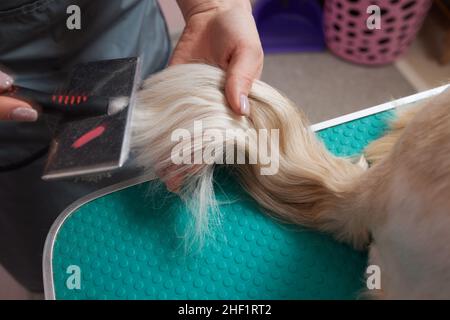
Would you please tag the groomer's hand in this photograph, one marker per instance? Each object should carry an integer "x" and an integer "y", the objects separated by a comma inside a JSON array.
[
  {"x": 13, "y": 109},
  {"x": 223, "y": 33}
]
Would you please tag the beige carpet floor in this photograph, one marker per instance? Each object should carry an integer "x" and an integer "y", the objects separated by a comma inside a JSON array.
[{"x": 325, "y": 86}]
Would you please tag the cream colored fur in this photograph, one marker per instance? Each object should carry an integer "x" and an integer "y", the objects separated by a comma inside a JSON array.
[
  {"x": 402, "y": 202},
  {"x": 378, "y": 149},
  {"x": 309, "y": 182},
  {"x": 410, "y": 209}
]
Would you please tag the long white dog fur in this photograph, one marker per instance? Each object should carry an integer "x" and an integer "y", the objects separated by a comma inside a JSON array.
[{"x": 399, "y": 208}]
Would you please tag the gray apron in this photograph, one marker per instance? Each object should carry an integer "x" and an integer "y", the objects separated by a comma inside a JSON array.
[{"x": 38, "y": 49}]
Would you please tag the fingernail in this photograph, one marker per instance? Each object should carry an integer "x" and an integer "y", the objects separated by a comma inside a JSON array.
[
  {"x": 23, "y": 114},
  {"x": 5, "y": 81},
  {"x": 245, "y": 105}
]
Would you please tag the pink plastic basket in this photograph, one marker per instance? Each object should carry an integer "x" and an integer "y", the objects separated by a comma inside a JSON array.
[{"x": 348, "y": 36}]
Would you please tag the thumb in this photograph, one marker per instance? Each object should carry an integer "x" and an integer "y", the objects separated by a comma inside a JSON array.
[
  {"x": 14, "y": 109},
  {"x": 245, "y": 66}
]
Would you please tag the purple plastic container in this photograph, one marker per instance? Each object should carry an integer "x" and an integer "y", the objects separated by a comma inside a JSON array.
[{"x": 289, "y": 25}]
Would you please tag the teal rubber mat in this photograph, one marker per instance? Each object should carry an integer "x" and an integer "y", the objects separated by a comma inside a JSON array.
[{"x": 127, "y": 245}]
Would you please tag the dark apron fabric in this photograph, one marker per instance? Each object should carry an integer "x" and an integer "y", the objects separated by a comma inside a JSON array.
[
  {"x": 38, "y": 49},
  {"x": 12, "y": 4}
]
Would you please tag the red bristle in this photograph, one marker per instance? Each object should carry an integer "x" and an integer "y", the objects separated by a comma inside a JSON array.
[
  {"x": 60, "y": 99},
  {"x": 66, "y": 99},
  {"x": 72, "y": 100}
]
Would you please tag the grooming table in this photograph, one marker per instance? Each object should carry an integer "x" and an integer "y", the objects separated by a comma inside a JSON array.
[{"x": 126, "y": 240}]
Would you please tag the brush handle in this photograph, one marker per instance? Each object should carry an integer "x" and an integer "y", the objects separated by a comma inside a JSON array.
[{"x": 76, "y": 105}]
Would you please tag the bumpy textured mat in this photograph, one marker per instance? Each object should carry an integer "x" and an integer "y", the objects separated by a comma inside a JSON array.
[{"x": 129, "y": 245}]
